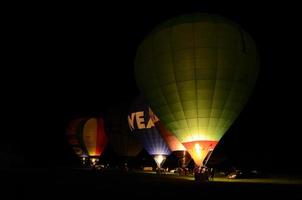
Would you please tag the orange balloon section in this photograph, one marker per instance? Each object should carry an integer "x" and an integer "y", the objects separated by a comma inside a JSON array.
[{"x": 199, "y": 150}]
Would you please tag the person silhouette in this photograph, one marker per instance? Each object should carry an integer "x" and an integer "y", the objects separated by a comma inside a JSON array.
[
  {"x": 197, "y": 173},
  {"x": 212, "y": 173}
]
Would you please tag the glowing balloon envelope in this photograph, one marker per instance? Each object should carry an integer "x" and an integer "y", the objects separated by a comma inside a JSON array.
[
  {"x": 87, "y": 137},
  {"x": 143, "y": 127},
  {"x": 197, "y": 72}
]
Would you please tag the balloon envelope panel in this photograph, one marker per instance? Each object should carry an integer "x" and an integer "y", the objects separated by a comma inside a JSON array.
[{"x": 172, "y": 142}]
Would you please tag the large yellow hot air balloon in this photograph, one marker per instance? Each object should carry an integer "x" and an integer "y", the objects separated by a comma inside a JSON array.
[{"x": 197, "y": 71}]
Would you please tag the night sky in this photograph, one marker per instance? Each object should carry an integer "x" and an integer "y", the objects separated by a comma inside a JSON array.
[{"x": 67, "y": 61}]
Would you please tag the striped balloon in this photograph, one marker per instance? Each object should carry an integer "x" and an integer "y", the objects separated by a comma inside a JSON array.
[{"x": 87, "y": 136}]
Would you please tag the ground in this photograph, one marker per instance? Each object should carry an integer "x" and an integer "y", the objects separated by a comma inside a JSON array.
[{"x": 85, "y": 184}]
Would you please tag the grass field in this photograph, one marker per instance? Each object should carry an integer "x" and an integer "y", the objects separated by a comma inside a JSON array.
[
  {"x": 86, "y": 184},
  {"x": 274, "y": 179}
]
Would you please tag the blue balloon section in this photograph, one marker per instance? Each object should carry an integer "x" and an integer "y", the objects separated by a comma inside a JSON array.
[{"x": 143, "y": 127}]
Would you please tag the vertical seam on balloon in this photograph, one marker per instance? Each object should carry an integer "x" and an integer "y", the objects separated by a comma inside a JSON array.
[
  {"x": 229, "y": 94},
  {"x": 217, "y": 57},
  {"x": 156, "y": 76},
  {"x": 245, "y": 100},
  {"x": 195, "y": 77},
  {"x": 164, "y": 96},
  {"x": 242, "y": 95},
  {"x": 176, "y": 82}
]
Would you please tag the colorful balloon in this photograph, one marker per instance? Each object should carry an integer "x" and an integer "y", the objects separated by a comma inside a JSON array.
[
  {"x": 87, "y": 137},
  {"x": 143, "y": 127}
]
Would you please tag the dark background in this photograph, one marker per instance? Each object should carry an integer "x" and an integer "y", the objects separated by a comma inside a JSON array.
[{"x": 64, "y": 61}]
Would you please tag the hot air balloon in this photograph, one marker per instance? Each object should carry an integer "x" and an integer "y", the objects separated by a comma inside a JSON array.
[
  {"x": 197, "y": 72},
  {"x": 72, "y": 137},
  {"x": 87, "y": 138},
  {"x": 173, "y": 143},
  {"x": 143, "y": 127},
  {"x": 124, "y": 143}
]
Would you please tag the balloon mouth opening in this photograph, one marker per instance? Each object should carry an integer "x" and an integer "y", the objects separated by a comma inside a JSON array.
[
  {"x": 199, "y": 150},
  {"x": 159, "y": 159}
]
